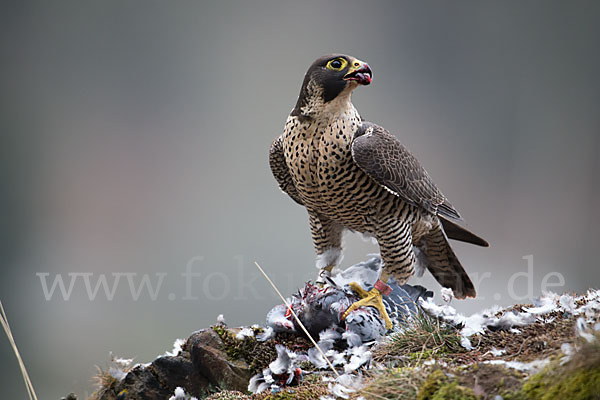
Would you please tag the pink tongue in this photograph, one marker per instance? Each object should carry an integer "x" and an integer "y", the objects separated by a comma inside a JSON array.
[{"x": 363, "y": 77}]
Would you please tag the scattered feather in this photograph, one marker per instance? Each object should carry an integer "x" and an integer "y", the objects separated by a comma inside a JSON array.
[
  {"x": 176, "y": 348},
  {"x": 447, "y": 294},
  {"x": 531, "y": 367},
  {"x": 316, "y": 358},
  {"x": 568, "y": 351},
  {"x": 567, "y": 303},
  {"x": 123, "y": 362},
  {"x": 466, "y": 343},
  {"x": 352, "y": 338},
  {"x": 582, "y": 330},
  {"x": 257, "y": 384},
  {"x": 283, "y": 362},
  {"x": 117, "y": 373},
  {"x": 244, "y": 332},
  {"x": 180, "y": 395},
  {"x": 268, "y": 333},
  {"x": 497, "y": 352},
  {"x": 360, "y": 356}
]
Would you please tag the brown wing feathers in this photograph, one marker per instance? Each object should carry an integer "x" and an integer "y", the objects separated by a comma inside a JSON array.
[{"x": 389, "y": 163}]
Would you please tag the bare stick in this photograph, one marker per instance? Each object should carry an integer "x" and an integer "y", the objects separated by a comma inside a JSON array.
[
  {"x": 11, "y": 339},
  {"x": 298, "y": 320}
]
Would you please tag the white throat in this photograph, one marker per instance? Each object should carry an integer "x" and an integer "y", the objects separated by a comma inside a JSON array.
[{"x": 317, "y": 109}]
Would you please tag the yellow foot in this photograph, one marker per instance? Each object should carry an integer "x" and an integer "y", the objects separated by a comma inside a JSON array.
[{"x": 372, "y": 298}]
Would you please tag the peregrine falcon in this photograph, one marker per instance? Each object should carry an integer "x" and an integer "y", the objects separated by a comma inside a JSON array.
[{"x": 354, "y": 175}]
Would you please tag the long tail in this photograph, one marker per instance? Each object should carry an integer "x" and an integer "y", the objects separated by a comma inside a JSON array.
[
  {"x": 444, "y": 266},
  {"x": 457, "y": 232}
]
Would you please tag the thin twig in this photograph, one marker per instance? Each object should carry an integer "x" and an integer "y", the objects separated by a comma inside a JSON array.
[
  {"x": 298, "y": 319},
  {"x": 11, "y": 339}
]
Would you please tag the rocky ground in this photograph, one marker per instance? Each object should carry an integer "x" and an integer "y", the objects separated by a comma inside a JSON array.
[{"x": 547, "y": 350}]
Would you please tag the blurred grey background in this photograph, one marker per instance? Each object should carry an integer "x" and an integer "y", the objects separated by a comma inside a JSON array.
[{"x": 135, "y": 138}]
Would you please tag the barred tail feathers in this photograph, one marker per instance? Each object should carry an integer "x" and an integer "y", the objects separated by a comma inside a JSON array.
[{"x": 444, "y": 265}]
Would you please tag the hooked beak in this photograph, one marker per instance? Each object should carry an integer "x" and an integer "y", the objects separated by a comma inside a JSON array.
[{"x": 359, "y": 72}]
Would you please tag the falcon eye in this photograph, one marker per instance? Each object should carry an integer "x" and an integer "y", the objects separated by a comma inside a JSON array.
[{"x": 337, "y": 64}]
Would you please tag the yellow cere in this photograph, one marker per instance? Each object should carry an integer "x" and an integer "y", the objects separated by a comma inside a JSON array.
[{"x": 343, "y": 64}]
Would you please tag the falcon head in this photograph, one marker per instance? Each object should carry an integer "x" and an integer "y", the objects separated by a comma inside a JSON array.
[{"x": 331, "y": 77}]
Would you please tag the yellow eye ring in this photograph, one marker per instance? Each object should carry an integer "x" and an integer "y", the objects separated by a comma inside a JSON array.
[{"x": 337, "y": 64}]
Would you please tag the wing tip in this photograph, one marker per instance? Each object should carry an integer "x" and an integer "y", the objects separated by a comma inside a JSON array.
[
  {"x": 448, "y": 210},
  {"x": 457, "y": 232}
]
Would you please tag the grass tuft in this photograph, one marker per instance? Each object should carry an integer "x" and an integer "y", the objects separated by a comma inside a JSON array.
[
  {"x": 423, "y": 339},
  {"x": 394, "y": 384},
  {"x": 106, "y": 384}
]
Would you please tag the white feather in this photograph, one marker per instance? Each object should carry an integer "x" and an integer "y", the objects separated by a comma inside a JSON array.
[
  {"x": 447, "y": 294},
  {"x": 179, "y": 394},
  {"x": 531, "y": 367},
  {"x": 245, "y": 332},
  {"x": 497, "y": 352},
  {"x": 283, "y": 362},
  {"x": 330, "y": 257},
  {"x": 176, "y": 348},
  {"x": 360, "y": 356},
  {"x": 267, "y": 334},
  {"x": 581, "y": 326},
  {"x": 352, "y": 338},
  {"x": 316, "y": 358}
]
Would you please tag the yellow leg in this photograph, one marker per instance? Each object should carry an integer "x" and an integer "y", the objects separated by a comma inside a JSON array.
[{"x": 373, "y": 298}]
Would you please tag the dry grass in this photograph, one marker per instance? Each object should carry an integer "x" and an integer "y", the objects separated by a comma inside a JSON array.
[
  {"x": 394, "y": 384},
  {"x": 106, "y": 384},
  {"x": 11, "y": 339}
]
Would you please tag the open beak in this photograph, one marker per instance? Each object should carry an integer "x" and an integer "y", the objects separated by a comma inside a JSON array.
[{"x": 359, "y": 72}]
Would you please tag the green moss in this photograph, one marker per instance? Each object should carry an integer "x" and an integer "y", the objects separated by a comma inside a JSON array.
[
  {"x": 283, "y": 395},
  {"x": 256, "y": 354},
  {"x": 421, "y": 355},
  {"x": 550, "y": 384},
  {"x": 453, "y": 391},
  {"x": 432, "y": 383},
  {"x": 438, "y": 386},
  {"x": 579, "y": 379}
]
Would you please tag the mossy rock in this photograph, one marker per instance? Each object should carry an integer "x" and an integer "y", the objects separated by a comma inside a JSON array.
[
  {"x": 256, "y": 354},
  {"x": 550, "y": 384}
]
